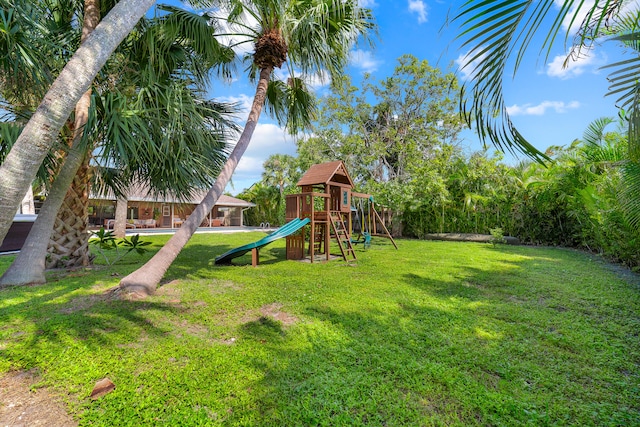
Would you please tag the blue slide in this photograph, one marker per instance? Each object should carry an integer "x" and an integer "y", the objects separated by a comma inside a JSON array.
[{"x": 284, "y": 231}]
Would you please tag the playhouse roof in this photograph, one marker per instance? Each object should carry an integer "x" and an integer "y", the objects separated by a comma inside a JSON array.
[{"x": 325, "y": 173}]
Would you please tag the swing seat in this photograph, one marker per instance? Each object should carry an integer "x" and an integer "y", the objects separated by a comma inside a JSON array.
[{"x": 366, "y": 239}]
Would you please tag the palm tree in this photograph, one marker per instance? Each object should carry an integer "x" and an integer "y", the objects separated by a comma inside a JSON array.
[
  {"x": 178, "y": 45},
  {"x": 167, "y": 113},
  {"x": 38, "y": 136},
  {"x": 268, "y": 202},
  {"x": 311, "y": 35}
]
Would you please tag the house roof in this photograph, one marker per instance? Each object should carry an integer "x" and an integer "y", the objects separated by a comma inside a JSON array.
[
  {"x": 141, "y": 193},
  {"x": 324, "y": 173}
]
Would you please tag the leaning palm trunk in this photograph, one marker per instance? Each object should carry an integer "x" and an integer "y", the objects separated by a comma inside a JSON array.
[
  {"x": 145, "y": 279},
  {"x": 21, "y": 164},
  {"x": 29, "y": 265}
]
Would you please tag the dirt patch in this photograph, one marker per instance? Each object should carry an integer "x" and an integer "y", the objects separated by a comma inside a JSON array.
[
  {"x": 273, "y": 311},
  {"x": 21, "y": 406}
]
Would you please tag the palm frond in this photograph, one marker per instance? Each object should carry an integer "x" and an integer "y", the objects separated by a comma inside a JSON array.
[
  {"x": 196, "y": 34},
  {"x": 594, "y": 134},
  {"x": 22, "y": 34},
  {"x": 496, "y": 30},
  {"x": 624, "y": 79},
  {"x": 9, "y": 132},
  {"x": 628, "y": 195},
  {"x": 320, "y": 33},
  {"x": 167, "y": 137},
  {"x": 292, "y": 104}
]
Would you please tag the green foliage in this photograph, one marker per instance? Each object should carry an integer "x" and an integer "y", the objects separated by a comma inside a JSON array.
[
  {"x": 585, "y": 198},
  {"x": 106, "y": 244},
  {"x": 438, "y": 333},
  {"x": 497, "y": 236},
  {"x": 269, "y": 205}
]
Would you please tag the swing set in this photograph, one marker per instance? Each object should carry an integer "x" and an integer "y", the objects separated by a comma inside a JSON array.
[{"x": 366, "y": 221}]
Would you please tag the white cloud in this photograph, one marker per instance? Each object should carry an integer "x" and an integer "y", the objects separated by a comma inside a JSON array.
[
  {"x": 419, "y": 8},
  {"x": 540, "y": 109},
  {"x": 364, "y": 60},
  {"x": 244, "y": 105},
  {"x": 466, "y": 67},
  {"x": 574, "y": 68},
  {"x": 318, "y": 81},
  {"x": 267, "y": 139},
  {"x": 580, "y": 14}
]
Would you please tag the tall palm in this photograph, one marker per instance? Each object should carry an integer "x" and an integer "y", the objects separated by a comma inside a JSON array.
[
  {"x": 151, "y": 104},
  {"x": 21, "y": 52},
  {"x": 38, "y": 136},
  {"x": 310, "y": 35}
]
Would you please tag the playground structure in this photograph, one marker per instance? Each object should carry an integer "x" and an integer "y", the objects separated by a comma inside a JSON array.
[{"x": 326, "y": 201}]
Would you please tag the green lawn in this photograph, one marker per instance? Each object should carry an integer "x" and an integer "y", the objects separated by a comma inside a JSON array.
[{"x": 436, "y": 333}]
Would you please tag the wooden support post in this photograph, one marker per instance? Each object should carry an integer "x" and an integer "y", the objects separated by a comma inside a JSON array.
[
  {"x": 255, "y": 257},
  {"x": 388, "y": 235}
]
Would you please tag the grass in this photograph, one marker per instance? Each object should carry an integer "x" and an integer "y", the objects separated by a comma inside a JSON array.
[{"x": 436, "y": 333}]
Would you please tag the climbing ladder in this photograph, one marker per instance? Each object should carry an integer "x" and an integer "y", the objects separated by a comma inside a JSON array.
[{"x": 342, "y": 237}]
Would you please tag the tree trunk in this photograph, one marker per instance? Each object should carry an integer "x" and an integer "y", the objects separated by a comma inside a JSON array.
[
  {"x": 69, "y": 244},
  {"x": 120, "y": 224},
  {"x": 30, "y": 264},
  {"x": 397, "y": 227},
  {"x": 21, "y": 164},
  {"x": 145, "y": 279}
]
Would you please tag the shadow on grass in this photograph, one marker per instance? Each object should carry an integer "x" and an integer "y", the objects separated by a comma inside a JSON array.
[
  {"x": 456, "y": 352},
  {"x": 196, "y": 259},
  {"x": 371, "y": 346},
  {"x": 69, "y": 313}
]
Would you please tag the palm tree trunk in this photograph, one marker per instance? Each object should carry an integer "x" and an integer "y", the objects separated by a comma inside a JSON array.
[
  {"x": 69, "y": 244},
  {"x": 145, "y": 279},
  {"x": 21, "y": 164},
  {"x": 120, "y": 223},
  {"x": 30, "y": 264}
]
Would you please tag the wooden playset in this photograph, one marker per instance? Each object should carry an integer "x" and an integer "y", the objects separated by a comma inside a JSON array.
[{"x": 326, "y": 200}]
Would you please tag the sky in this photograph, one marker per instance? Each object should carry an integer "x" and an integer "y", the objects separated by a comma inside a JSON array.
[{"x": 548, "y": 104}]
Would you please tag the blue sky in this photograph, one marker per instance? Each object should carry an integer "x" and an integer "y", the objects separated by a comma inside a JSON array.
[{"x": 548, "y": 104}]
